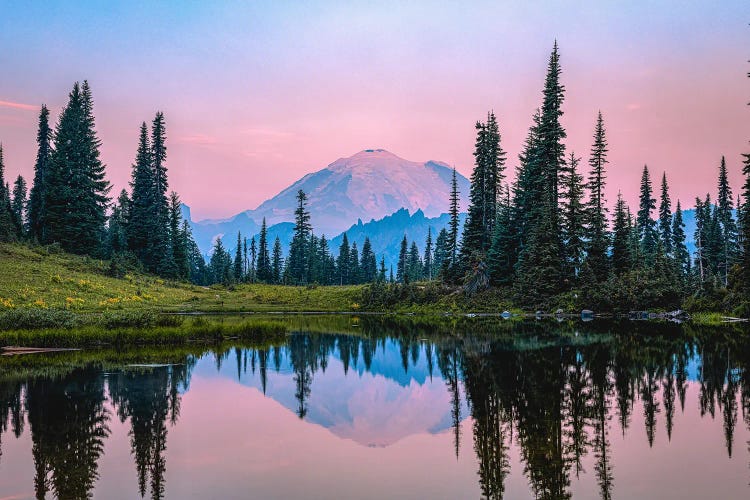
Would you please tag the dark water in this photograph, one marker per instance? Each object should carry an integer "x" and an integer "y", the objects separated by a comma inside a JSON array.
[{"x": 388, "y": 410}]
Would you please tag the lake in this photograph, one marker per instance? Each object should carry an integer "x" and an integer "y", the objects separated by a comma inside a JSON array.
[{"x": 377, "y": 408}]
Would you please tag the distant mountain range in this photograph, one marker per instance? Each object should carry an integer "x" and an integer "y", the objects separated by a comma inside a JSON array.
[
  {"x": 373, "y": 185},
  {"x": 397, "y": 197}
]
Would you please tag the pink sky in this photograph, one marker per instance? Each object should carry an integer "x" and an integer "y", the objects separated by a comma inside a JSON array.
[{"x": 257, "y": 96}]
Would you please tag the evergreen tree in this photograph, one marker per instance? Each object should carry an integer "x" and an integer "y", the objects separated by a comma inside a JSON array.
[
  {"x": 118, "y": 226},
  {"x": 489, "y": 160},
  {"x": 665, "y": 216},
  {"x": 381, "y": 272},
  {"x": 621, "y": 248},
  {"x": 452, "y": 236},
  {"x": 368, "y": 263},
  {"x": 342, "y": 263},
  {"x": 574, "y": 222},
  {"x": 401, "y": 269},
  {"x": 744, "y": 210},
  {"x": 598, "y": 239},
  {"x": 76, "y": 198},
  {"x": 725, "y": 205},
  {"x": 179, "y": 243},
  {"x": 264, "y": 269},
  {"x": 701, "y": 235},
  {"x": 428, "y": 273},
  {"x": 277, "y": 261},
  {"x": 220, "y": 264},
  {"x": 18, "y": 205},
  {"x": 355, "y": 274},
  {"x": 37, "y": 210},
  {"x": 646, "y": 225},
  {"x": 238, "y": 259},
  {"x": 253, "y": 261},
  {"x": 298, "y": 249},
  {"x": 501, "y": 258},
  {"x": 7, "y": 227},
  {"x": 159, "y": 241},
  {"x": 440, "y": 258},
  {"x": 679, "y": 248},
  {"x": 142, "y": 223},
  {"x": 414, "y": 263}
]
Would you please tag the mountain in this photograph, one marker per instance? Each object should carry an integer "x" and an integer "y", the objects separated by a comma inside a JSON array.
[{"x": 369, "y": 185}]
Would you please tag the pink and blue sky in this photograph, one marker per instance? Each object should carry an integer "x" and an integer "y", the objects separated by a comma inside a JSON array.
[{"x": 256, "y": 94}]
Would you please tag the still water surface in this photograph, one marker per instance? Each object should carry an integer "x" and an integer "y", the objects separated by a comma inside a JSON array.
[{"x": 387, "y": 411}]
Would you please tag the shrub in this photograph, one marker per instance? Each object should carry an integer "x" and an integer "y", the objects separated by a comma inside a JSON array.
[{"x": 37, "y": 318}]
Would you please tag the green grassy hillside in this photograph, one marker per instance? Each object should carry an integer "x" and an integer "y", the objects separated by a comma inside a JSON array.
[{"x": 35, "y": 277}]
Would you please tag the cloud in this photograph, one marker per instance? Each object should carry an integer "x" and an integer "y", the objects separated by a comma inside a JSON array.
[
  {"x": 198, "y": 139},
  {"x": 18, "y": 105},
  {"x": 634, "y": 106},
  {"x": 267, "y": 133}
]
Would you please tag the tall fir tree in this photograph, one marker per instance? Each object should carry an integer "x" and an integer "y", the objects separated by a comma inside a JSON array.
[
  {"x": 428, "y": 257},
  {"x": 453, "y": 224},
  {"x": 37, "y": 210},
  {"x": 440, "y": 257},
  {"x": 679, "y": 247},
  {"x": 118, "y": 226},
  {"x": 7, "y": 228},
  {"x": 574, "y": 221},
  {"x": 237, "y": 264},
  {"x": 414, "y": 263},
  {"x": 401, "y": 268},
  {"x": 368, "y": 262},
  {"x": 343, "y": 261},
  {"x": 264, "y": 270},
  {"x": 299, "y": 248},
  {"x": 179, "y": 243},
  {"x": 665, "y": 216},
  {"x": 142, "y": 222},
  {"x": 19, "y": 204},
  {"x": 646, "y": 225},
  {"x": 76, "y": 198},
  {"x": 597, "y": 234},
  {"x": 725, "y": 206},
  {"x": 277, "y": 261},
  {"x": 355, "y": 273},
  {"x": 489, "y": 164},
  {"x": 159, "y": 240},
  {"x": 501, "y": 258},
  {"x": 621, "y": 247}
]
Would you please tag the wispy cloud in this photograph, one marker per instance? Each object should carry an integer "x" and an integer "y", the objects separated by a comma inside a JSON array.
[
  {"x": 198, "y": 139},
  {"x": 18, "y": 105}
]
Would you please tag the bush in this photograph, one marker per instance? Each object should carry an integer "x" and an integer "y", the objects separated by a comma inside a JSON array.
[
  {"x": 38, "y": 318},
  {"x": 138, "y": 319}
]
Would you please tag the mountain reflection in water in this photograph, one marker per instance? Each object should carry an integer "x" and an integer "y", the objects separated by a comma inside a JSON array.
[{"x": 414, "y": 409}]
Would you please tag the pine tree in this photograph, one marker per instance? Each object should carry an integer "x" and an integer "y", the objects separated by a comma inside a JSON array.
[
  {"x": 253, "y": 261},
  {"x": 342, "y": 263},
  {"x": 381, "y": 272},
  {"x": 574, "y": 222},
  {"x": 368, "y": 263},
  {"x": 598, "y": 239},
  {"x": 501, "y": 258},
  {"x": 646, "y": 225},
  {"x": 745, "y": 229},
  {"x": 159, "y": 240},
  {"x": 142, "y": 222},
  {"x": 118, "y": 226},
  {"x": 489, "y": 161},
  {"x": 37, "y": 210},
  {"x": 179, "y": 243},
  {"x": 428, "y": 255},
  {"x": 725, "y": 205},
  {"x": 414, "y": 263},
  {"x": 440, "y": 258},
  {"x": 452, "y": 241},
  {"x": 76, "y": 198},
  {"x": 665, "y": 216},
  {"x": 237, "y": 264},
  {"x": 702, "y": 223},
  {"x": 19, "y": 204},
  {"x": 277, "y": 261},
  {"x": 679, "y": 248},
  {"x": 355, "y": 273},
  {"x": 220, "y": 264},
  {"x": 621, "y": 248},
  {"x": 7, "y": 228},
  {"x": 264, "y": 270},
  {"x": 298, "y": 249},
  {"x": 401, "y": 269}
]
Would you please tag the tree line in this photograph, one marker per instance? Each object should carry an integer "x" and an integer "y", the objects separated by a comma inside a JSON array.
[{"x": 548, "y": 238}]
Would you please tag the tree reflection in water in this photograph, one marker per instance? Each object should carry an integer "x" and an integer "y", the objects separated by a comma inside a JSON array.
[{"x": 556, "y": 392}]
